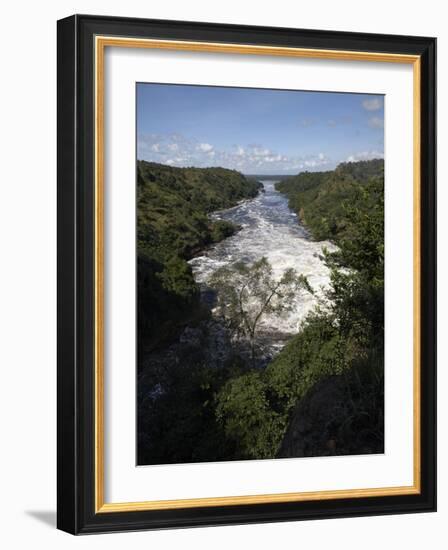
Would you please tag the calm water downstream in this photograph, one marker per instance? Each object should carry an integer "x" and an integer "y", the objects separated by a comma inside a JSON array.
[{"x": 270, "y": 229}]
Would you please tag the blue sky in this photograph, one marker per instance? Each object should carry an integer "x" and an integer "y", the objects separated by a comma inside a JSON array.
[{"x": 256, "y": 131}]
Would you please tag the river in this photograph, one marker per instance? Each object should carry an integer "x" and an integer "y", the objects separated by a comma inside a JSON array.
[{"x": 272, "y": 230}]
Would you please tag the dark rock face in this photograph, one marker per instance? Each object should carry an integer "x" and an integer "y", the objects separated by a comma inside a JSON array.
[{"x": 332, "y": 420}]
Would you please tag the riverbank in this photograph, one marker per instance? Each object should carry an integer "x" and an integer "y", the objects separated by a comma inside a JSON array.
[{"x": 173, "y": 224}]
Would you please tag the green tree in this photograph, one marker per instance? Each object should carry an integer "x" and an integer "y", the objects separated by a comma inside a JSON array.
[
  {"x": 246, "y": 415},
  {"x": 177, "y": 278},
  {"x": 357, "y": 269},
  {"x": 247, "y": 293}
]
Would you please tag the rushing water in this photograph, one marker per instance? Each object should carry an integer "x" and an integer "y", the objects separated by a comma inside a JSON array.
[{"x": 272, "y": 230}]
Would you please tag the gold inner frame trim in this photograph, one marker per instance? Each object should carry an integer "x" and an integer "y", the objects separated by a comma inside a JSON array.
[{"x": 101, "y": 42}]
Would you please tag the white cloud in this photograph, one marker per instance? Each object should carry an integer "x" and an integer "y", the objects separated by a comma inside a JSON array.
[
  {"x": 312, "y": 163},
  {"x": 260, "y": 151},
  {"x": 206, "y": 147},
  {"x": 376, "y": 122},
  {"x": 365, "y": 155},
  {"x": 251, "y": 158},
  {"x": 373, "y": 104}
]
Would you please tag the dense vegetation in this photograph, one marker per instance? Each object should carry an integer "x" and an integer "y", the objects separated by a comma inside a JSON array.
[
  {"x": 173, "y": 224},
  {"x": 319, "y": 198},
  {"x": 191, "y": 412}
]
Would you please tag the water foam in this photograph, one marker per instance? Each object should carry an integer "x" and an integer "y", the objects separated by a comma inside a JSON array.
[{"x": 272, "y": 230}]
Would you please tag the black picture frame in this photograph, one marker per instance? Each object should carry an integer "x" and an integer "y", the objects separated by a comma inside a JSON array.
[{"x": 76, "y": 286}]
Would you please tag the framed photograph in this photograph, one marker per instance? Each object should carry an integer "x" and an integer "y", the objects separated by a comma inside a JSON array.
[{"x": 246, "y": 274}]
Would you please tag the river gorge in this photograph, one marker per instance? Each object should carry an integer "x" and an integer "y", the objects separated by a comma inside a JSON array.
[
  {"x": 221, "y": 376},
  {"x": 269, "y": 229}
]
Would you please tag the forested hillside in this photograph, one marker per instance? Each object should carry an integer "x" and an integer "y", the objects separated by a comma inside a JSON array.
[
  {"x": 319, "y": 198},
  {"x": 173, "y": 224}
]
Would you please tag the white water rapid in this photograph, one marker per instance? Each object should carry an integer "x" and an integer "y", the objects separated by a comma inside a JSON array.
[{"x": 270, "y": 229}]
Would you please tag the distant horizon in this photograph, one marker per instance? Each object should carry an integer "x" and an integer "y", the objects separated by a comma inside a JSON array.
[
  {"x": 262, "y": 174},
  {"x": 257, "y": 131}
]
